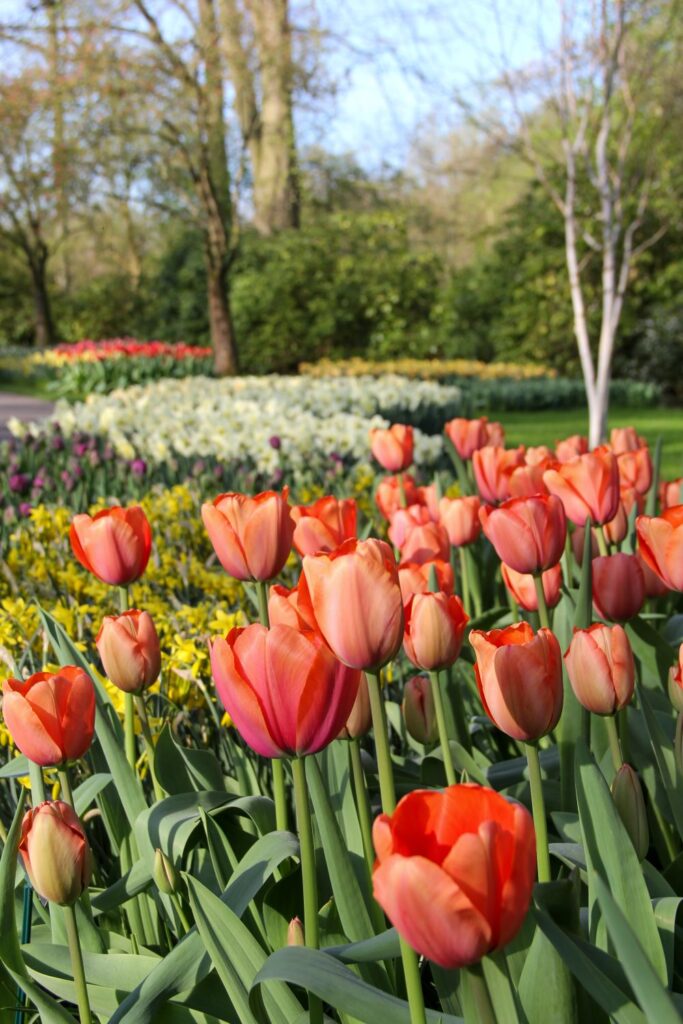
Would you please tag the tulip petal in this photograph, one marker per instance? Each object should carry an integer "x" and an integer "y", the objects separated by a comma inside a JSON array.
[{"x": 28, "y": 731}]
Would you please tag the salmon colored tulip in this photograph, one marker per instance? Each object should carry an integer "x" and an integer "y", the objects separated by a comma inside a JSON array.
[
  {"x": 519, "y": 675},
  {"x": 415, "y": 578},
  {"x": 291, "y": 607},
  {"x": 618, "y": 586},
  {"x": 426, "y": 543},
  {"x": 356, "y": 600},
  {"x": 600, "y": 667},
  {"x": 467, "y": 436},
  {"x": 495, "y": 434},
  {"x": 615, "y": 531},
  {"x": 55, "y": 852},
  {"x": 393, "y": 448},
  {"x": 455, "y": 871},
  {"x": 51, "y": 715},
  {"x": 113, "y": 545},
  {"x": 434, "y": 628},
  {"x": 419, "y": 713},
  {"x": 523, "y": 589},
  {"x": 635, "y": 470},
  {"x": 284, "y": 690},
  {"x": 671, "y": 493},
  {"x": 527, "y": 480},
  {"x": 536, "y": 455},
  {"x": 359, "y": 722},
  {"x": 427, "y": 496},
  {"x": 128, "y": 645},
  {"x": 392, "y": 494},
  {"x": 527, "y": 533},
  {"x": 660, "y": 541},
  {"x": 324, "y": 525},
  {"x": 630, "y": 497},
  {"x": 587, "y": 486},
  {"x": 625, "y": 439},
  {"x": 493, "y": 468},
  {"x": 654, "y": 586},
  {"x": 252, "y": 537},
  {"x": 404, "y": 521},
  {"x": 570, "y": 447},
  {"x": 460, "y": 518}
]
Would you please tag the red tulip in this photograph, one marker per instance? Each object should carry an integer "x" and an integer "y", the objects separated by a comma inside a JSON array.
[
  {"x": 393, "y": 448},
  {"x": 635, "y": 470},
  {"x": 523, "y": 589},
  {"x": 356, "y": 600},
  {"x": 467, "y": 436},
  {"x": 291, "y": 607},
  {"x": 414, "y": 578},
  {"x": 392, "y": 494},
  {"x": 600, "y": 667},
  {"x": 251, "y": 536},
  {"x": 527, "y": 533},
  {"x": 455, "y": 871},
  {"x": 493, "y": 468},
  {"x": 128, "y": 645},
  {"x": 324, "y": 525},
  {"x": 284, "y": 689},
  {"x": 434, "y": 628},
  {"x": 618, "y": 586},
  {"x": 419, "y": 713},
  {"x": 660, "y": 540},
  {"x": 55, "y": 852},
  {"x": 51, "y": 716},
  {"x": 113, "y": 545},
  {"x": 572, "y": 446},
  {"x": 587, "y": 486},
  {"x": 519, "y": 675},
  {"x": 460, "y": 518},
  {"x": 671, "y": 493}
]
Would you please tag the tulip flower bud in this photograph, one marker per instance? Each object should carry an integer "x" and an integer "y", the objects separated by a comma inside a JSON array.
[
  {"x": 418, "y": 710},
  {"x": 600, "y": 666},
  {"x": 628, "y": 798},
  {"x": 359, "y": 721},
  {"x": 129, "y": 648},
  {"x": 676, "y": 682},
  {"x": 166, "y": 877},
  {"x": 62, "y": 733},
  {"x": 434, "y": 628},
  {"x": 618, "y": 586},
  {"x": 295, "y": 933},
  {"x": 55, "y": 852},
  {"x": 393, "y": 448},
  {"x": 113, "y": 545}
]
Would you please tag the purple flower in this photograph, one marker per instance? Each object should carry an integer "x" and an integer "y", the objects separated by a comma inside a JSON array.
[
  {"x": 336, "y": 457},
  {"x": 67, "y": 479},
  {"x": 57, "y": 443},
  {"x": 19, "y": 482},
  {"x": 278, "y": 475},
  {"x": 138, "y": 467},
  {"x": 218, "y": 472},
  {"x": 79, "y": 448},
  {"x": 198, "y": 467},
  {"x": 275, "y": 442},
  {"x": 24, "y": 509},
  {"x": 108, "y": 453}
]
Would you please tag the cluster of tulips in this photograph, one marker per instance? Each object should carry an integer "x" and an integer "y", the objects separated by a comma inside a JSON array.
[{"x": 452, "y": 868}]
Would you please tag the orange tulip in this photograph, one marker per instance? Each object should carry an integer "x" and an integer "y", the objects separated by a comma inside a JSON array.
[
  {"x": 660, "y": 540},
  {"x": 467, "y": 436},
  {"x": 455, "y": 871},
  {"x": 572, "y": 446},
  {"x": 291, "y": 607},
  {"x": 536, "y": 456},
  {"x": 434, "y": 628},
  {"x": 393, "y": 448},
  {"x": 128, "y": 645},
  {"x": 284, "y": 689},
  {"x": 426, "y": 543},
  {"x": 495, "y": 433},
  {"x": 587, "y": 486},
  {"x": 356, "y": 600},
  {"x": 51, "y": 716},
  {"x": 460, "y": 518},
  {"x": 671, "y": 493},
  {"x": 427, "y": 496},
  {"x": 600, "y": 667},
  {"x": 527, "y": 533},
  {"x": 251, "y": 536},
  {"x": 618, "y": 586},
  {"x": 404, "y": 521},
  {"x": 523, "y": 589},
  {"x": 392, "y": 494},
  {"x": 519, "y": 675},
  {"x": 625, "y": 439},
  {"x": 55, "y": 852},
  {"x": 635, "y": 470},
  {"x": 526, "y": 481},
  {"x": 493, "y": 468},
  {"x": 359, "y": 721},
  {"x": 113, "y": 545},
  {"x": 414, "y": 577},
  {"x": 324, "y": 525},
  {"x": 419, "y": 713}
]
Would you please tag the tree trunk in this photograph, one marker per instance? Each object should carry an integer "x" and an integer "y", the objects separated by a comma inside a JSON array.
[
  {"x": 220, "y": 319},
  {"x": 44, "y": 333}
]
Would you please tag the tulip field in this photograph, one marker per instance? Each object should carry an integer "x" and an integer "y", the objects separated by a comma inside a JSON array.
[{"x": 364, "y": 716}]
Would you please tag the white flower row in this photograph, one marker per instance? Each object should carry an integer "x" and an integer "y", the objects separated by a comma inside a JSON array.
[{"x": 236, "y": 418}]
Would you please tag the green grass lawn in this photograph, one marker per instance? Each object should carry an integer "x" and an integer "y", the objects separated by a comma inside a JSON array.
[{"x": 548, "y": 426}]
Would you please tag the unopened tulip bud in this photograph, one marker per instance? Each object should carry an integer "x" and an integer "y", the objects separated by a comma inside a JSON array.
[
  {"x": 128, "y": 645},
  {"x": 676, "y": 682},
  {"x": 599, "y": 663},
  {"x": 295, "y": 933},
  {"x": 628, "y": 798},
  {"x": 359, "y": 721},
  {"x": 418, "y": 710},
  {"x": 55, "y": 852},
  {"x": 166, "y": 877}
]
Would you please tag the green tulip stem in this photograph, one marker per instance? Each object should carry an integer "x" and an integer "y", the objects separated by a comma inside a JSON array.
[
  {"x": 538, "y": 809},
  {"x": 178, "y": 904},
  {"x": 77, "y": 965},
  {"x": 128, "y": 703},
  {"x": 411, "y": 969},
  {"x": 277, "y": 768},
  {"x": 379, "y": 727},
  {"x": 37, "y": 783},
  {"x": 362, "y": 803},
  {"x": 614, "y": 745},
  {"x": 402, "y": 491},
  {"x": 139, "y": 701},
  {"x": 305, "y": 829},
  {"x": 465, "y": 580},
  {"x": 543, "y": 616},
  {"x": 477, "y": 1001},
  {"x": 602, "y": 543},
  {"x": 441, "y": 725},
  {"x": 65, "y": 785}
]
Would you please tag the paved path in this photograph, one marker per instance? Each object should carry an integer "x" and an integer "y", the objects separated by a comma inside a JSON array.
[{"x": 23, "y": 407}]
